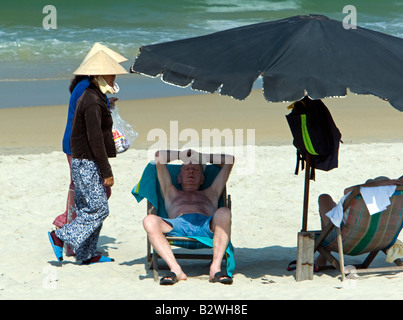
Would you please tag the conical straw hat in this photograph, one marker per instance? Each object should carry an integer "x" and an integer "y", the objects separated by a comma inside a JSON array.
[
  {"x": 100, "y": 64},
  {"x": 97, "y": 47}
]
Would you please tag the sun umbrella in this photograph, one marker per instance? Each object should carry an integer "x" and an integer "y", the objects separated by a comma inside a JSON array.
[
  {"x": 300, "y": 55},
  {"x": 297, "y": 56}
]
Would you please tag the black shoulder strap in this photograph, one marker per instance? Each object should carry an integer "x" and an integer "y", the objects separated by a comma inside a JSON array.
[{"x": 301, "y": 159}]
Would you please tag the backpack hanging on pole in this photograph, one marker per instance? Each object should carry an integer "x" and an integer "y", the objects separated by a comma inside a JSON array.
[{"x": 314, "y": 132}]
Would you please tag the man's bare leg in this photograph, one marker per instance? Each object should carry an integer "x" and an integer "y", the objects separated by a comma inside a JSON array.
[
  {"x": 326, "y": 204},
  {"x": 156, "y": 228},
  {"x": 221, "y": 226}
]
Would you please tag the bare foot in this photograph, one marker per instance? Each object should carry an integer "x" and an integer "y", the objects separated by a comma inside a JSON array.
[
  {"x": 172, "y": 277},
  {"x": 180, "y": 275},
  {"x": 220, "y": 277}
]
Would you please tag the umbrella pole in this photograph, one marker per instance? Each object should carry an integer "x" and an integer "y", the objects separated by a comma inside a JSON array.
[
  {"x": 306, "y": 239},
  {"x": 306, "y": 193}
]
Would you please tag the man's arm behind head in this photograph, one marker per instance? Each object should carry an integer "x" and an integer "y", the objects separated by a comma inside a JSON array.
[{"x": 226, "y": 162}]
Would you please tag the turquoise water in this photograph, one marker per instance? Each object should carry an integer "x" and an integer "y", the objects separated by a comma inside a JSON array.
[{"x": 30, "y": 52}]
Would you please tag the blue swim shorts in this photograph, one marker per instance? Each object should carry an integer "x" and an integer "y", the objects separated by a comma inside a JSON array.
[{"x": 190, "y": 225}]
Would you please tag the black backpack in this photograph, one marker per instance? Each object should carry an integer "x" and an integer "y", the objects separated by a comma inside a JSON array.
[{"x": 314, "y": 132}]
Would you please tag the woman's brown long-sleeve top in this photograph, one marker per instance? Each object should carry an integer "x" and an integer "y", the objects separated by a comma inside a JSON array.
[{"x": 91, "y": 136}]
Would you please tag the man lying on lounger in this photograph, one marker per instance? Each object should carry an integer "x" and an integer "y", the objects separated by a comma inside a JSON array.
[{"x": 191, "y": 207}]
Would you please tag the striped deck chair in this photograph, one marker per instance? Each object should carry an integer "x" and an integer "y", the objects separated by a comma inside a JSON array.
[
  {"x": 364, "y": 233},
  {"x": 149, "y": 188}
]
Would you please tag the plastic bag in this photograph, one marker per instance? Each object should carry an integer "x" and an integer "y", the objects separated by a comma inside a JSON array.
[{"x": 123, "y": 133}]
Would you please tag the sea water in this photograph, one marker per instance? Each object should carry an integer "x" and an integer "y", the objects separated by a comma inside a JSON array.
[{"x": 36, "y": 63}]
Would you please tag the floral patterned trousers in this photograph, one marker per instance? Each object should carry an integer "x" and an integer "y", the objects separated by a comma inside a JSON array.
[{"x": 91, "y": 207}]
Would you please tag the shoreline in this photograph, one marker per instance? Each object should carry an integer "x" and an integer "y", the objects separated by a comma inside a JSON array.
[{"x": 49, "y": 92}]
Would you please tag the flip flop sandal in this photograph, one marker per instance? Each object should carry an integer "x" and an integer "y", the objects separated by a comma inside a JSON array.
[
  {"x": 56, "y": 249},
  {"x": 169, "y": 279},
  {"x": 221, "y": 277},
  {"x": 97, "y": 259}
]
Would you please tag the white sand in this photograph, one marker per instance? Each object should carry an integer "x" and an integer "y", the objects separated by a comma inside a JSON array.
[{"x": 266, "y": 206}]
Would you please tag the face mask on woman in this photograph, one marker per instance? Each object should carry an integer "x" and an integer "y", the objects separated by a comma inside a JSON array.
[{"x": 106, "y": 88}]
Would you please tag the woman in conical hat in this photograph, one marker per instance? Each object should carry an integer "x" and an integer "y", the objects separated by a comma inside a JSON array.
[
  {"x": 91, "y": 146},
  {"x": 77, "y": 86},
  {"x": 102, "y": 65}
]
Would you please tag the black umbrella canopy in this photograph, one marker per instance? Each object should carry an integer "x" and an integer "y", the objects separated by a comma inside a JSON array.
[{"x": 302, "y": 55}]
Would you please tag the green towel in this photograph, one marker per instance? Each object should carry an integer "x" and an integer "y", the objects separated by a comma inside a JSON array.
[{"x": 148, "y": 187}]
